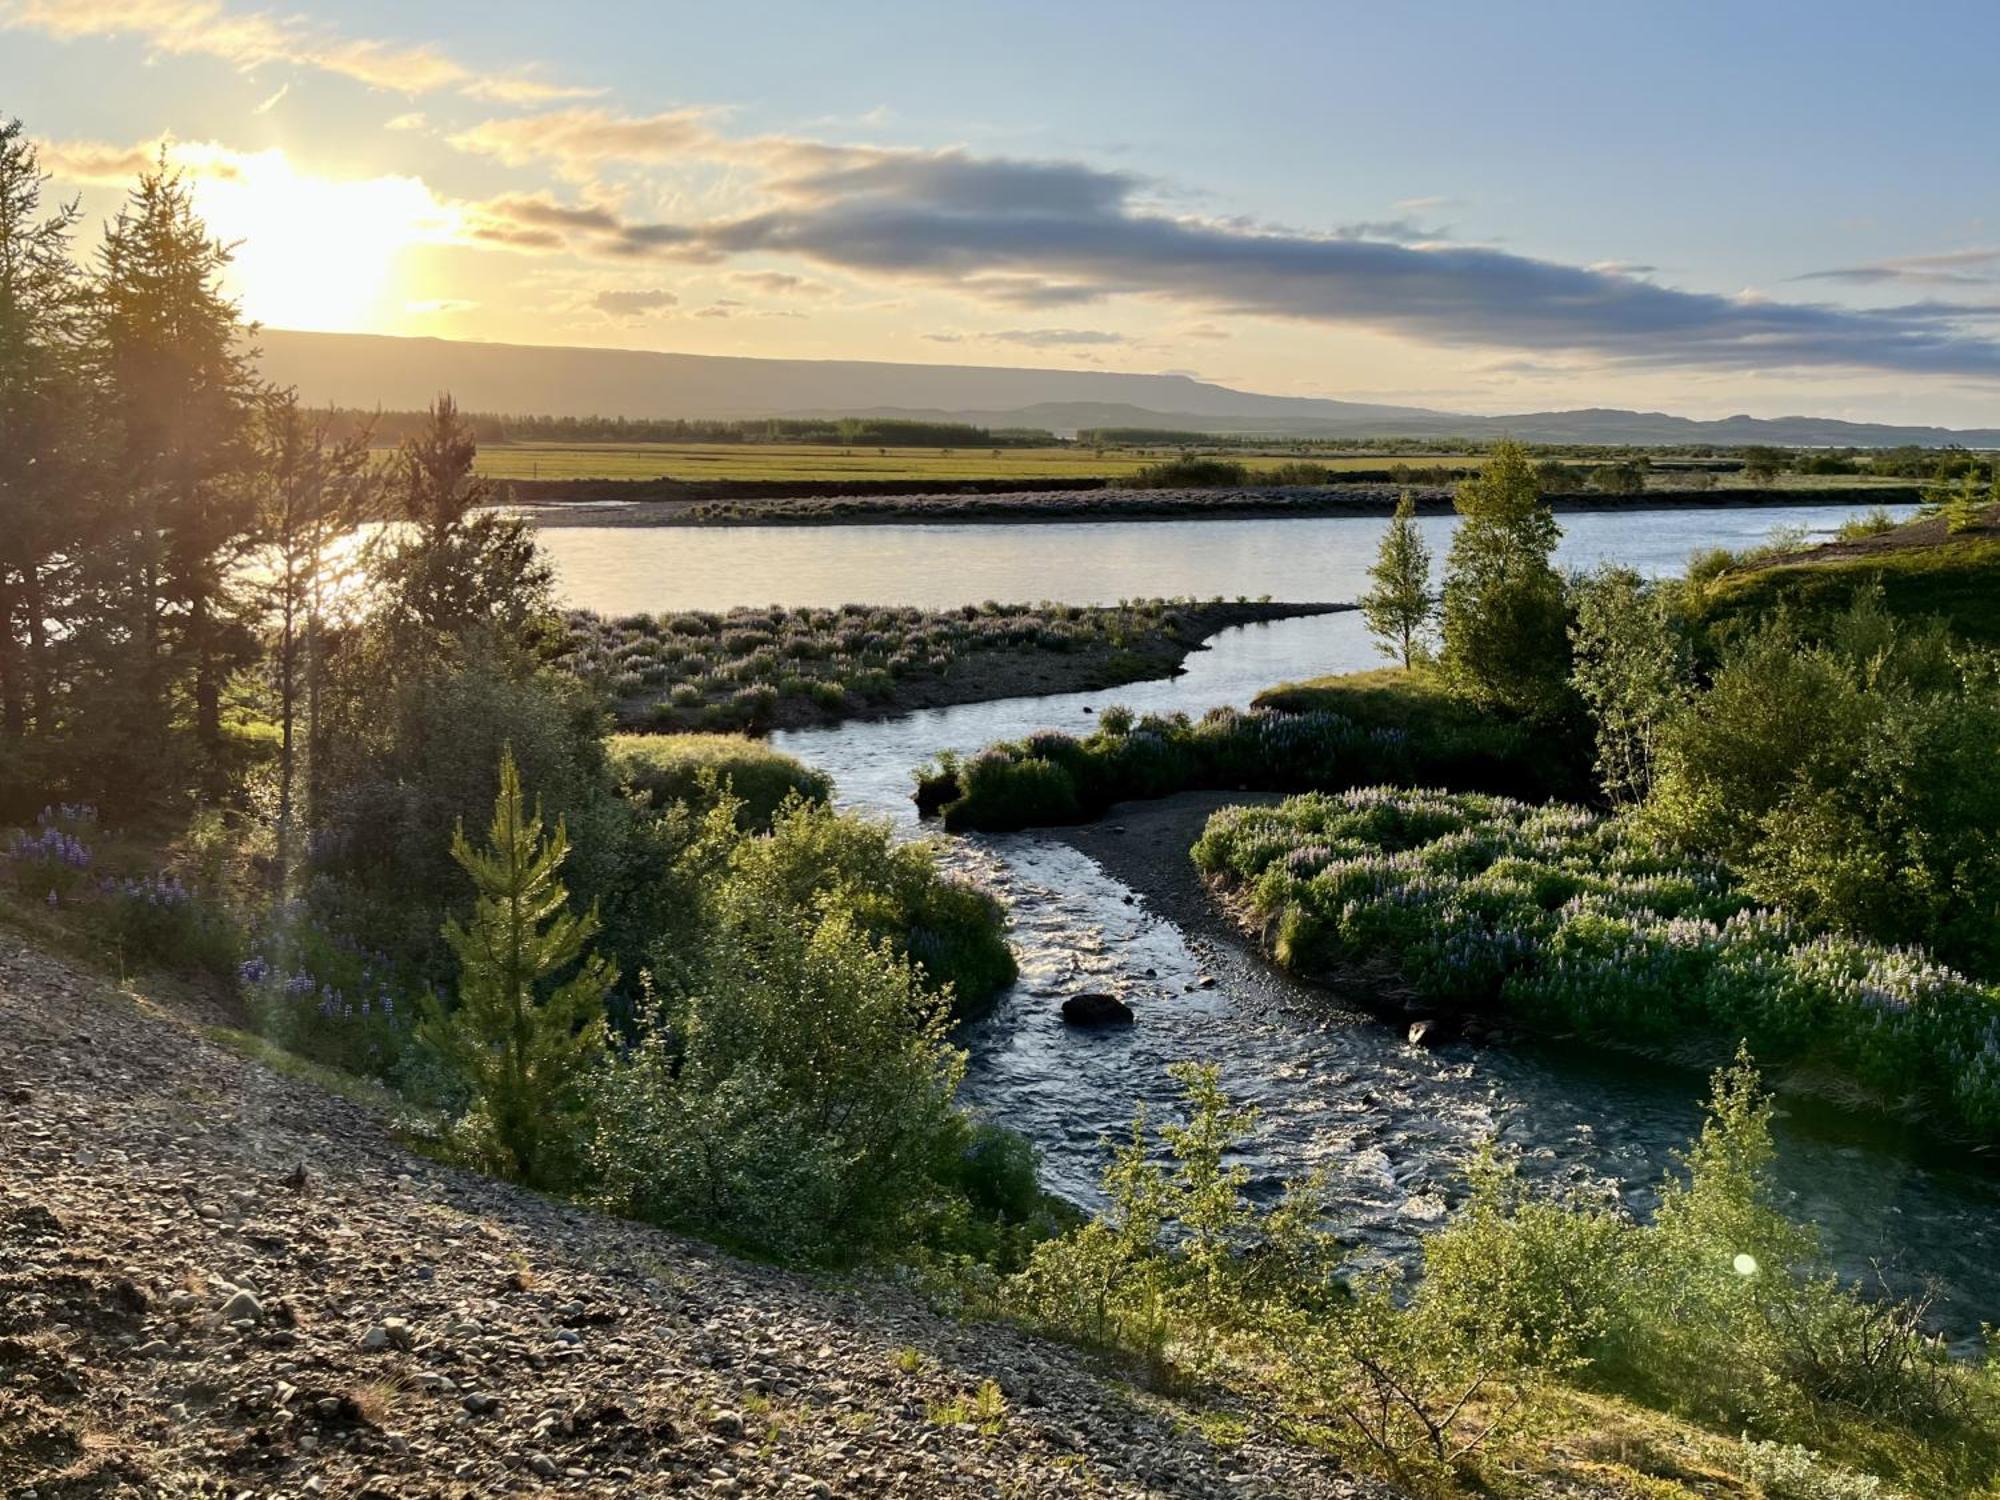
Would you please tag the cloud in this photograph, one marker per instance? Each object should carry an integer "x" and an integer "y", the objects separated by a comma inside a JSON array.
[
  {"x": 781, "y": 284},
  {"x": 633, "y": 304},
  {"x": 253, "y": 38},
  {"x": 100, "y": 164},
  {"x": 414, "y": 120},
  {"x": 1975, "y": 267},
  {"x": 1205, "y": 331},
  {"x": 587, "y": 137},
  {"x": 271, "y": 102},
  {"x": 1053, "y": 338},
  {"x": 440, "y": 305},
  {"x": 955, "y": 220}
]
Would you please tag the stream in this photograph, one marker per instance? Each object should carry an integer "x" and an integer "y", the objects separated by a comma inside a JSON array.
[{"x": 1393, "y": 1125}]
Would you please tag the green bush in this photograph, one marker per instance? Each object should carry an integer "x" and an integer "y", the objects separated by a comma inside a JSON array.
[
  {"x": 1187, "y": 473},
  {"x": 1570, "y": 922},
  {"x": 1719, "y": 1310},
  {"x": 816, "y": 859},
  {"x": 800, "y": 1103},
  {"x": 656, "y": 769},
  {"x": 1385, "y": 726},
  {"x": 1847, "y": 778}
]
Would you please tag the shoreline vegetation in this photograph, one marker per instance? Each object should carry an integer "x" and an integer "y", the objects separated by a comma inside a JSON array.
[
  {"x": 619, "y": 503},
  {"x": 599, "y": 992},
  {"x": 753, "y": 670}
]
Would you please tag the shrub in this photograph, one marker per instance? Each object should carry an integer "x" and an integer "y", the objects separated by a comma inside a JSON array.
[
  {"x": 1568, "y": 921},
  {"x": 1187, "y": 473},
  {"x": 659, "y": 769},
  {"x": 1398, "y": 729},
  {"x": 800, "y": 1103},
  {"x": 157, "y": 921}
]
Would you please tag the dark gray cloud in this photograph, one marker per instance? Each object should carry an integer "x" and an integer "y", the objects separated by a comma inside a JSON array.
[{"x": 1057, "y": 233}]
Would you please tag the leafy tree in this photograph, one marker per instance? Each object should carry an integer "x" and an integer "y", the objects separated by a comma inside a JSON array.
[
  {"x": 801, "y": 1100},
  {"x": 1633, "y": 671},
  {"x": 1399, "y": 605},
  {"x": 522, "y": 1037},
  {"x": 1848, "y": 778},
  {"x": 1619, "y": 479},
  {"x": 1762, "y": 465},
  {"x": 1505, "y": 622}
]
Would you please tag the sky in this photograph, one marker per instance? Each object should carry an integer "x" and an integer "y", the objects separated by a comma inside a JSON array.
[{"x": 1479, "y": 206}]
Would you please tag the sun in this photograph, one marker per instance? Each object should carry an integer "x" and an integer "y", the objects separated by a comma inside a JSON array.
[{"x": 311, "y": 252}]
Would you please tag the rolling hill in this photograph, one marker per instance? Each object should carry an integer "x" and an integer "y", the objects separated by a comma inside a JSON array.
[{"x": 372, "y": 370}]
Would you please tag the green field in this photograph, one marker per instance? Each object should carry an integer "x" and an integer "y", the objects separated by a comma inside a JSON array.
[{"x": 831, "y": 461}]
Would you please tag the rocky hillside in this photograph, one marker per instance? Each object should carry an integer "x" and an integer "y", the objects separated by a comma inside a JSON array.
[{"x": 218, "y": 1279}]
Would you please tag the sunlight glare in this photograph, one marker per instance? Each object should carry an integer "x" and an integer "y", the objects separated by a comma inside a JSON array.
[{"x": 312, "y": 252}]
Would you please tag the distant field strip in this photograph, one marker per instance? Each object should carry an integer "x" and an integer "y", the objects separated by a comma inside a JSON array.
[{"x": 712, "y": 461}]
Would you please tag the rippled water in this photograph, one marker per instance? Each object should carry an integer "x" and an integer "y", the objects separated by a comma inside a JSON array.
[{"x": 1394, "y": 1125}]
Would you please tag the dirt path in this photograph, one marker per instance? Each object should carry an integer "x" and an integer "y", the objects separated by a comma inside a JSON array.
[{"x": 217, "y": 1279}]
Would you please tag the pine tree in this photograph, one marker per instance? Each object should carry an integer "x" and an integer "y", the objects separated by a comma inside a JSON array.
[
  {"x": 1505, "y": 620},
  {"x": 312, "y": 490},
  {"x": 45, "y": 443},
  {"x": 1399, "y": 606},
  {"x": 458, "y": 565},
  {"x": 177, "y": 372},
  {"x": 522, "y": 1053}
]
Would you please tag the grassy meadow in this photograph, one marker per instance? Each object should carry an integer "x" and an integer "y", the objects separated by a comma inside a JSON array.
[{"x": 832, "y": 461}]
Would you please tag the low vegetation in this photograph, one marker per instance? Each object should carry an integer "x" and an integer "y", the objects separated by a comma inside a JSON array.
[
  {"x": 753, "y": 669},
  {"x": 1327, "y": 734},
  {"x": 659, "y": 770},
  {"x": 1572, "y": 922},
  {"x": 1537, "y": 1334}
]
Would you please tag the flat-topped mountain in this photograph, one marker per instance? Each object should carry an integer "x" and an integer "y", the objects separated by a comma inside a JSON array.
[{"x": 372, "y": 370}]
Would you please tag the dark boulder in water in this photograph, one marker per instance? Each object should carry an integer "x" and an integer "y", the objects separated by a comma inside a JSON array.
[{"x": 1093, "y": 1009}]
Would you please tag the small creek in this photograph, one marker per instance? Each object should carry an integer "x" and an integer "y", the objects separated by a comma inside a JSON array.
[{"x": 1395, "y": 1125}]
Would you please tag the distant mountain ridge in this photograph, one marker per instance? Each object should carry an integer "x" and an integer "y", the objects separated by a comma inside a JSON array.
[{"x": 398, "y": 374}]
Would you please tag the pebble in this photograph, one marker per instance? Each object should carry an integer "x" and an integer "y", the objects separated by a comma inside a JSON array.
[{"x": 235, "y": 1324}]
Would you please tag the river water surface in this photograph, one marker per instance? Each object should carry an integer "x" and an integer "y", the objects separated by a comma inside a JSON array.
[{"x": 1394, "y": 1125}]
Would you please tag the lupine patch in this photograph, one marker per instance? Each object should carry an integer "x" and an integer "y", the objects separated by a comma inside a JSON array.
[{"x": 1572, "y": 921}]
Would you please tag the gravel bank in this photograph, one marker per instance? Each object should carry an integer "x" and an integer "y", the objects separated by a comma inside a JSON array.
[{"x": 216, "y": 1279}]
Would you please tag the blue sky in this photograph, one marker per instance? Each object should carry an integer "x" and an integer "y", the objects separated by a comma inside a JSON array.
[{"x": 1703, "y": 208}]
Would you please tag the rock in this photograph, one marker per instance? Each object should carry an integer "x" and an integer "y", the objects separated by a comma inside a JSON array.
[
  {"x": 726, "y": 1424},
  {"x": 242, "y": 1308},
  {"x": 543, "y": 1465},
  {"x": 1094, "y": 1008},
  {"x": 1432, "y": 1031},
  {"x": 376, "y": 1338}
]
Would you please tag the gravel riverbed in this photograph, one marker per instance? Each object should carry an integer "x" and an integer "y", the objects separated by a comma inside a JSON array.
[{"x": 217, "y": 1279}]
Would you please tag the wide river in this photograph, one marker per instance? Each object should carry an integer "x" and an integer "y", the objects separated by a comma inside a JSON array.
[{"x": 1395, "y": 1125}]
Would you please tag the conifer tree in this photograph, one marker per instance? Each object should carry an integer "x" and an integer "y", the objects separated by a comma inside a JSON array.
[
  {"x": 1399, "y": 605},
  {"x": 312, "y": 490},
  {"x": 177, "y": 373},
  {"x": 45, "y": 442},
  {"x": 522, "y": 1037}
]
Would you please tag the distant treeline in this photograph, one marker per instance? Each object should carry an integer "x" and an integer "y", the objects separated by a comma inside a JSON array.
[{"x": 391, "y": 427}]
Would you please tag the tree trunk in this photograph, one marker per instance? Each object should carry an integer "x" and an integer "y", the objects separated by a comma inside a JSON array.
[
  {"x": 13, "y": 717},
  {"x": 35, "y": 602}
]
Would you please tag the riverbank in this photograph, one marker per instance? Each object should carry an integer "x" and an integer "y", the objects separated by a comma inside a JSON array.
[
  {"x": 641, "y": 503},
  {"x": 214, "y": 1271},
  {"x": 756, "y": 670}
]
